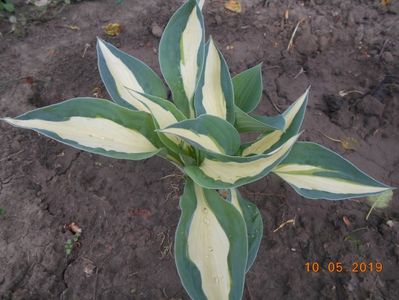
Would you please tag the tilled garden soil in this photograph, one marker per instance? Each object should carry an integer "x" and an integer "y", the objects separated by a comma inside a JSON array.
[{"x": 348, "y": 51}]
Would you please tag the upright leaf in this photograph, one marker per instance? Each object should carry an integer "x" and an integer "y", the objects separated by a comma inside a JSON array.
[
  {"x": 215, "y": 94},
  {"x": 248, "y": 88},
  {"x": 207, "y": 133},
  {"x": 245, "y": 122},
  {"x": 210, "y": 246},
  {"x": 223, "y": 172},
  {"x": 164, "y": 113},
  {"x": 120, "y": 72},
  {"x": 293, "y": 118},
  {"x": 253, "y": 222},
  {"x": 181, "y": 54},
  {"x": 316, "y": 172},
  {"x": 94, "y": 125}
]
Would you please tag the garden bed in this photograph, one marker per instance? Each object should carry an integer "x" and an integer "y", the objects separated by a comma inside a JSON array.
[{"x": 347, "y": 51}]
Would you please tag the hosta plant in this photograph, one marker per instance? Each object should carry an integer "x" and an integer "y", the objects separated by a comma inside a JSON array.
[{"x": 198, "y": 130}]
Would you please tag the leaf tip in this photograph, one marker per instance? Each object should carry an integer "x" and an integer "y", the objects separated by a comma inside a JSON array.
[
  {"x": 101, "y": 44},
  {"x": 8, "y": 120},
  {"x": 99, "y": 40}
]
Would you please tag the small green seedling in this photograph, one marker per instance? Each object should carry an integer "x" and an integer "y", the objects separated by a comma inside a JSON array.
[
  {"x": 217, "y": 238},
  {"x": 7, "y": 5},
  {"x": 2, "y": 212},
  {"x": 69, "y": 244}
]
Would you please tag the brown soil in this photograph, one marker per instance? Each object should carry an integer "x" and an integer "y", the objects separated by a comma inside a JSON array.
[{"x": 128, "y": 211}]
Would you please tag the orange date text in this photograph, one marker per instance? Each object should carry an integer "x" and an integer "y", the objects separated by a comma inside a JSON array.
[{"x": 339, "y": 267}]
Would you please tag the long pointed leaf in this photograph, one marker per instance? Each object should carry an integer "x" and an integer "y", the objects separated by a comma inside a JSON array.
[
  {"x": 215, "y": 94},
  {"x": 253, "y": 222},
  {"x": 181, "y": 54},
  {"x": 222, "y": 172},
  {"x": 120, "y": 71},
  {"x": 210, "y": 246},
  {"x": 95, "y": 125},
  {"x": 316, "y": 172},
  {"x": 207, "y": 133},
  {"x": 293, "y": 117},
  {"x": 245, "y": 122},
  {"x": 164, "y": 113}
]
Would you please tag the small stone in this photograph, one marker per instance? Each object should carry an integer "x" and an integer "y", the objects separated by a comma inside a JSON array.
[
  {"x": 394, "y": 8},
  {"x": 218, "y": 19},
  {"x": 387, "y": 57},
  {"x": 372, "y": 122},
  {"x": 89, "y": 268},
  {"x": 156, "y": 30},
  {"x": 343, "y": 118},
  {"x": 371, "y": 106},
  {"x": 390, "y": 223},
  {"x": 306, "y": 44},
  {"x": 323, "y": 43},
  {"x": 356, "y": 16}
]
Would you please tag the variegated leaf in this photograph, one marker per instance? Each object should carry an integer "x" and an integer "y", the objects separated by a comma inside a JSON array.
[
  {"x": 316, "y": 172},
  {"x": 293, "y": 117},
  {"x": 245, "y": 122},
  {"x": 208, "y": 133},
  {"x": 200, "y": 3},
  {"x": 253, "y": 222},
  {"x": 214, "y": 95},
  {"x": 210, "y": 246},
  {"x": 95, "y": 125},
  {"x": 163, "y": 111},
  {"x": 222, "y": 171},
  {"x": 120, "y": 71},
  {"x": 164, "y": 114},
  {"x": 248, "y": 87},
  {"x": 181, "y": 54}
]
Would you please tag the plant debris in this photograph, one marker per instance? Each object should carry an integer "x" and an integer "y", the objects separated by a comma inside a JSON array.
[
  {"x": 142, "y": 212},
  {"x": 89, "y": 268},
  {"x": 291, "y": 221},
  {"x": 346, "y": 221},
  {"x": 74, "y": 27},
  {"x": 74, "y": 228},
  {"x": 348, "y": 143},
  {"x": 381, "y": 200},
  {"x": 113, "y": 29},
  {"x": 233, "y": 5},
  {"x": 291, "y": 42}
]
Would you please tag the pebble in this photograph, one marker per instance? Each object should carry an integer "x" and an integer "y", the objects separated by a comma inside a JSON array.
[
  {"x": 370, "y": 105},
  {"x": 323, "y": 43},
  {"x": 387, "y": 57},
  {"x": 156, "y": 30},
  {"x": 306, "y": 44},
  {"x": 218, "y": 19},
  {"x": 89, "y": 268},
  {"x": 372, "y": 122},
  {"x": 394, "y": 8}
]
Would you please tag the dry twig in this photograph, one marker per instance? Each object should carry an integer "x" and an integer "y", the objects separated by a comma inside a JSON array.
[
  {"x": 11, "y": 155},
  {"x": 294, "y": 32},
  {"x": 291, "y": 221}
]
